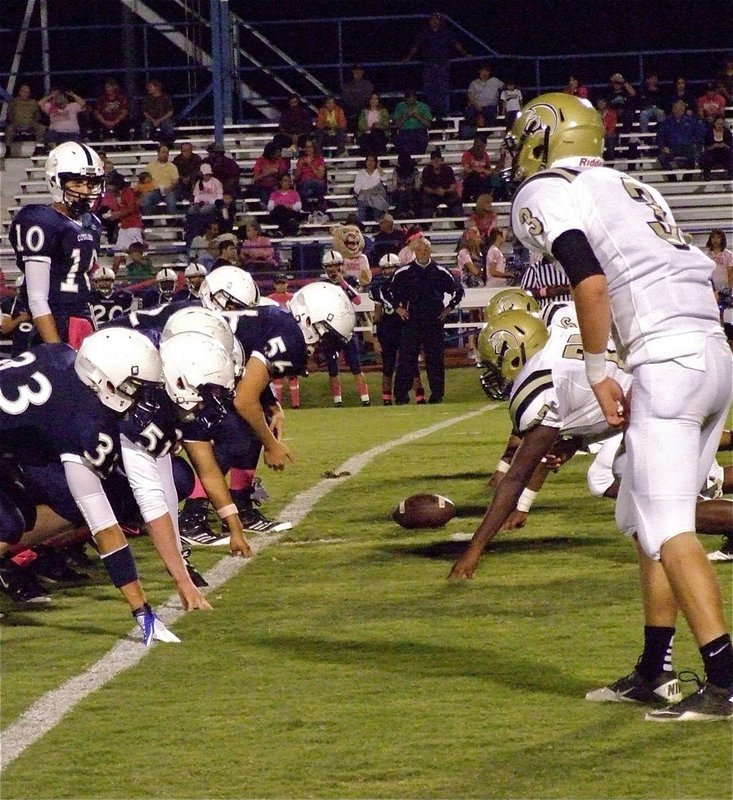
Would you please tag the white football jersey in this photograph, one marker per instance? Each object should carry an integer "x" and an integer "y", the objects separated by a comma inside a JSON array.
[
  {"x": 661, "y": 297},
  {"x": 552, "y": 389}
]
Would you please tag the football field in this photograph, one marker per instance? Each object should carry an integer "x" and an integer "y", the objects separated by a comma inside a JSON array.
[{"x": 340, "y": 662}]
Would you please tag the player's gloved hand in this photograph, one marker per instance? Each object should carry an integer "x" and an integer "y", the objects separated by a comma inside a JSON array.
[{"x": 152, "y": 626}]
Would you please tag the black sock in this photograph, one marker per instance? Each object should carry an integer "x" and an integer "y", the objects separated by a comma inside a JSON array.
[
  {"x": 717, "y": 656},
  {"x": 657, "y": 655}
]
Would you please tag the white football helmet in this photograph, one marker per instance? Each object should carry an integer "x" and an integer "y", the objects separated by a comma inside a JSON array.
[
  {"x": 322, "y": 308},
  {"x": 229, "y": 288},
  {"x": 198, "y": 374},
  {"x": 104, "y": 280},
  {"x": 166, "y": 280},
  {"x": 332, "y": 257},
  {"x": 389, "y": 261},
  {"x": 194, "y": 274},
  {"x": 199, "y": 320},
  {"x": 116, "y": 363},
  {"x": 74, "y": 161}
]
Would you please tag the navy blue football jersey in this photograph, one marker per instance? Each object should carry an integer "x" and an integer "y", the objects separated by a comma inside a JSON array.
[
  {"x": 184, "y": 296},
  {"x": 153, "y": 423},
  {"x": 46, "y": 411},
  {"x": 106, "y": 308},
  {"x": 150, "y": 321},
  {"x": 153, "y": 297},
  {"x": 272, "y": 335},
  {"x": 69, "y": 246},
  {"x": 380, "y": 292}
]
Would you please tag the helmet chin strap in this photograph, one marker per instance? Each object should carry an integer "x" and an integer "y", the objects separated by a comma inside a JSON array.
[{"x": 545, "y": 149}]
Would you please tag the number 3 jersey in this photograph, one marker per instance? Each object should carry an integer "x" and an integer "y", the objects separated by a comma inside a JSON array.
[
  {"x": 662, "y": 303},
  {"x": 47, "y": 413},
  {"x": 552, "y": 389},
  {"x": 41, "y": 233}
]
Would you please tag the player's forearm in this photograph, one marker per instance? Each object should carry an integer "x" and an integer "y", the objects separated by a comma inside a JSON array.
[
  {"x": 593, "y": 307},
  {"x": 253, "y": 414},
  {"x": 164, "y": 538}
]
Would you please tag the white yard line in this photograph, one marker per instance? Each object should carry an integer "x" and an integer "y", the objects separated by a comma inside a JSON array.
[{"x": 48, "y": 710}]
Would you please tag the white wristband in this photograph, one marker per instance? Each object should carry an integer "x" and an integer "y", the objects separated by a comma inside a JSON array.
[
  {"x": 502, "y": 466},
  {"x": 525, "y": 500},
  {"x": 595, "y": 367},
  {"x": 227, "y": 511}
]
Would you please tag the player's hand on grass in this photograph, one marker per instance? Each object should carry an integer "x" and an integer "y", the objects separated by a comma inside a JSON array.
[
  {"x": 277, "y": 456},
  {"x": 516, "y": 520},
  {"x": 239, "y": 546},
  {"x": 192, "y": 599},
  {"x": 463, "y": 568}
]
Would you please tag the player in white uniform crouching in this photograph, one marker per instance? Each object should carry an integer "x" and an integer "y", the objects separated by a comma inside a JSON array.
[{"x": 630, "y": 265}]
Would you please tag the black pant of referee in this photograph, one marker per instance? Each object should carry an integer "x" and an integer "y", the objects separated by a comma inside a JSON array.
[{"x": 429, "y": 336}]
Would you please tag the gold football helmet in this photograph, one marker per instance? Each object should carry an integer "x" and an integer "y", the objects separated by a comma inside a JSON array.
[
  {"x": 505, "y": 345},
  {"x": 513, "y": 299},
  {"x": 550, "y": 127}
]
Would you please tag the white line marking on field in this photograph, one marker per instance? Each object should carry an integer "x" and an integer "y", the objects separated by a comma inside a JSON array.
[{"x": 49, "y": 709}]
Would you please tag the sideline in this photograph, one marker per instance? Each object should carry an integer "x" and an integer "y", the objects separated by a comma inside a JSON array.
[{"x": 49, "y": 709}]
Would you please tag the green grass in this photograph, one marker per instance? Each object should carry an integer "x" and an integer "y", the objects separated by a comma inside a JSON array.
[{"x": 341, "y": 663}]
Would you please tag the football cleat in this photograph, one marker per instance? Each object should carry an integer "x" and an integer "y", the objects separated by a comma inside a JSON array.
[
  {"x": 197, "y": 579},
  {"x": 725, "y": 552},
  {"x": 633, "y": 688},
  {"x": 194, "y": 527},
  {"x": 152, "y": 627},
  {"x": 20, "y": 585},
  {"x": 254, "y": 521},
  {"x": 708, "y": 704},
  {"x": 52, "y": 565}
]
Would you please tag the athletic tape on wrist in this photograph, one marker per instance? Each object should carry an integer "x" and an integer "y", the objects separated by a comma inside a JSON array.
[
  {"x": 227, "y": 511},
  {"x": 595, "y": 367},
  {"x": 525, "y": 500}
]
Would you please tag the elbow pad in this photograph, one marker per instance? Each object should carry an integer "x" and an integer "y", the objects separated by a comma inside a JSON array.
[{"x": 576, "y": 256}]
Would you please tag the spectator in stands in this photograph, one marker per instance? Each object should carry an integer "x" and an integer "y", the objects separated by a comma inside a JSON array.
[
  {"x": 355, "y": 95},
  {"x": 404, "y": 185},
  {"x": 208, "y": 196},
  {"x": 111, "y": 112},
  {"x": 165, "y": 179},
  {"x": 228, "y": 256},
  {"x": 477, "y": 170},
  {"x": 473, "y": 276},
  {"x": 224, "y": 168},
  {"x": 310, "y": 177},
  {"x": 370, "y": 191},
  {"x": 547, "y": 282},
  {"x": 622, "y": 99},
  {"x": 716, "y": 249},
  {"x": 610, "y": 120},
  {"x": 575, "y": 87},
  {"x": 439, "y": 188},
  {"x": 680, "y": 92},
  {"x": 331, "y": 126},
  {"x": 226, "y": 213},
  {"x": 138, "y": 266},
  {"x": 144, "y": 184},
  {"x": 285, "y": 206},
  {"x": 157, "y": 110},
  {"x": 24, "y": 117},
  {"x": 63, "y": 109},
  {"x": 425, "y": 294},
  {"x": 204, "y": 249},
  {"x": 388, "y": 239},
  {"x": 412, "y": 120},
  {"x": 484, "y": 217},
  {"x": 711, "y": 104},
  {"x": 296, "y": 122},
  {"x": 510, "y": 102},
  {"x": 188, "y": 165},
  {"x": 267, "y": 171},
  {"x": 435, "y": 45},
  {"x": 677, "y": 139},
  {"x": 122, "y": 215},
  {"x": 496, "y": 277},
  {"x": 717, "y": 152},
  {"x": 256, "y": 252},
  {"x": 651, "y": 101},
  {"x": 373, "y": 127},
  {"x": 111, "y": 173},
  {"x": 483, "y": 98}
]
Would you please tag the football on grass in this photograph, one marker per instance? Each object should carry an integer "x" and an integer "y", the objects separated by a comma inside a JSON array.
[{"x": 424, "y": 511}]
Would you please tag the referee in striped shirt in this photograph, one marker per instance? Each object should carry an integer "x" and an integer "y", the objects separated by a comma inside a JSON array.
[{"x": 547, "y": 282}]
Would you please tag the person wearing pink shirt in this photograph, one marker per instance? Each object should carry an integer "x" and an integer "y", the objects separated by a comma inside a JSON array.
[
  {"x": 495, "y": 260},
  {"x": 208, "y": 194},
  {"x": 711, "y": 104},
  {"x": 285, "y": 206}
]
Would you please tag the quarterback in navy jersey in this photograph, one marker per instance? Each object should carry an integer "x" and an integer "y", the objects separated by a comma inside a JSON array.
[
  {"x": 106, "y": 302},
  {"x": 56, "y": 245}
]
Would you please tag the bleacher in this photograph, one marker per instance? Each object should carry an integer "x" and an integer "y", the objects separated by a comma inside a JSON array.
[{"x": 698, "y": 205}]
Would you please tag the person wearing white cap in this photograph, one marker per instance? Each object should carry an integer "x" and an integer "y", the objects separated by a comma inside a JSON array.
[{"x": 208, "y": 195}]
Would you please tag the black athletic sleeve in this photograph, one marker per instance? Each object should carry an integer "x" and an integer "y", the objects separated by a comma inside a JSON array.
[{"x": 574, "y": 252}]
